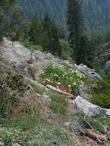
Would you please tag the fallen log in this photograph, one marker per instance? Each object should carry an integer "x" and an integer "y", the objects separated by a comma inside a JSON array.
[
  {"x": 60, "y": 91},
  {"x": 36, "y": 83},
  {"x": 95, "y": 136}
]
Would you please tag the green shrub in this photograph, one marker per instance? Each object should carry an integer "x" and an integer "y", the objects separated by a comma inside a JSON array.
[
  {"x": 101, "y": 94},
  {"x": 58, "y": 104},
  {"x": 99, "y": 123},
  {"x": 16, "y": 82},
  {"x": 107, "y": 74},
  {"x": 9, "y": 136},
  {"x": 31, "y": 46},
  {"x": 105, "y": 121},
  {"x": 96, "y": 124},
  {"x": 53, "y": 74},
  {"x": 31, "y": 133},
  {"x": 80, "y": 121},
  {"x": 37, "y": 88},
  {"x": 24, "y": 122},
  {"x": 48, "y": 135},
  {"x": 67, "y": 51},
  {"x": 12, "y": 87}
]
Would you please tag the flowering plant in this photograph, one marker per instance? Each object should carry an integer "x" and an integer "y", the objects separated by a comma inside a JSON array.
[{"x": 64, "y": 78}]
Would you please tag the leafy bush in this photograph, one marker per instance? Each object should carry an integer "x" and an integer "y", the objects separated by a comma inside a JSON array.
[
  {"x": 16, "y": 82},
  {"x": 25, "y": 122},
  {"x": 31, "y": 46},
  {"x": 59, "y": 103},
  {"x": 12, "y": 87},
  {"x": 105, "y": 121},
  {"x": 9, "y": 136},
  {"x": 40, "y": 134},
  {"x": 67, "y": 51},
  {"x": 99, "y": 123},
  {"x": 61, "y": 77},
  {"x": 48, "y": 135},
  {"x": 37, "y": 88},
  {"x": 107, "y": 74},
  {"x": 101, "y": 94},
  {"x": 81, "y": 121}
]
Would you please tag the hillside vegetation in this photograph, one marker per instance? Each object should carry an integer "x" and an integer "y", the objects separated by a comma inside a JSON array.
[{"x": 54, "y": 80}]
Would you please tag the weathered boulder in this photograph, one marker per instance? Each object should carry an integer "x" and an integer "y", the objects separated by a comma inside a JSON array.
[
  {"x": 14, "y": 52},
  {"x": 89, "y": 73},
  {"x": 88, "y": 108},
  {"x": 1, "y": 143},
  {"x": 20, "y": 57},
  {"x": 84, "y": 90},
  {"x": 16, "y": 144},
  {"x": 107, "y": 65}
]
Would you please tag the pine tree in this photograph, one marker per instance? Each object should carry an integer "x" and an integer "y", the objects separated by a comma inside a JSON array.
[
  {"x": 52, "y": 32},
  {"x": 75, "y": 24},
  {"x": 45, "y": 41},
  {"x": 5, "y": 3},
  {"x": 3, "y": 22},
  {"x": 84, "y": 49},
  {"x": 3, "y": 26},
  {"x": 19, "y": 24},
  {"x": 36, "y": 31}
]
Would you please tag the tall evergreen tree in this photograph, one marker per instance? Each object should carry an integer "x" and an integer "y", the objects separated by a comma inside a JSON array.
[
  {"x": 52, "y": 32},
  {"x": 84, "y": 49},
  {"x": 75, "y": 24},
  {"x": 36, "y": 31},
  {"x": 19, "y": 24},
  {"x": 5, "y": 3},
  {"x": 3, "y": 22},
  {"x": 3, "y": 26}
]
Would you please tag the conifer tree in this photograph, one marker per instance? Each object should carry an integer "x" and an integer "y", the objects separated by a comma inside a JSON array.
[
  {"x": 3, "y": 22},
  {"x": 19, "y": 24},
  {"x": 52, "y": 32},
  {"x": 84, "y": 49},
  {"x": 5, "y": 3},
  {"x": 36, "y": 31},
  {"x": 3, "y": 26},
  {"x": 75, "y": 24}
]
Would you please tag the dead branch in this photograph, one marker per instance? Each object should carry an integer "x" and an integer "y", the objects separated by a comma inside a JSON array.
[{"x": 91, "y": 133}]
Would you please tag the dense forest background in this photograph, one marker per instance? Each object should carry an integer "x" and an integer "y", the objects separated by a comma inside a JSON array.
[
  {"x": 54, "y": 72},
  {"x": 31, "y": 15},
  {"x": 96, "y": 12}
]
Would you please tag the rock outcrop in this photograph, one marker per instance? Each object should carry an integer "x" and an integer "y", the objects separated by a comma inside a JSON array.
[
  {"x": 88, "y": 108},
  {"x": 21, "y": 57},
  {"x": 89, "y": 73},
  {"x": 15, "y": 53},
  {"x": 107, "y": 65}
]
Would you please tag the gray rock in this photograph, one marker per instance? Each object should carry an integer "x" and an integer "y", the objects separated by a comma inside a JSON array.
[
  {"x": 89, "y": 73},
  {"x": 88, "y": 108},
  {"x": 16, "y": 144},
  {"x": 14, "y": 52},
  {"x": 84, "y": 90},
  {"x": 67, "y": 124},
  {"x": 1, "y": 143},
  {"x": 49, "y": 56},
  {"x": 108, "y": 135},
  {"x": 107, "y": 65},
  {"x": 38, "y": 55}
]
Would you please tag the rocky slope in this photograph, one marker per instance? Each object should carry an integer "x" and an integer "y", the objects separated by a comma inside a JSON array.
[
  {"x": 18, "y": 58},
  {"x": 18, "y": 55}
]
